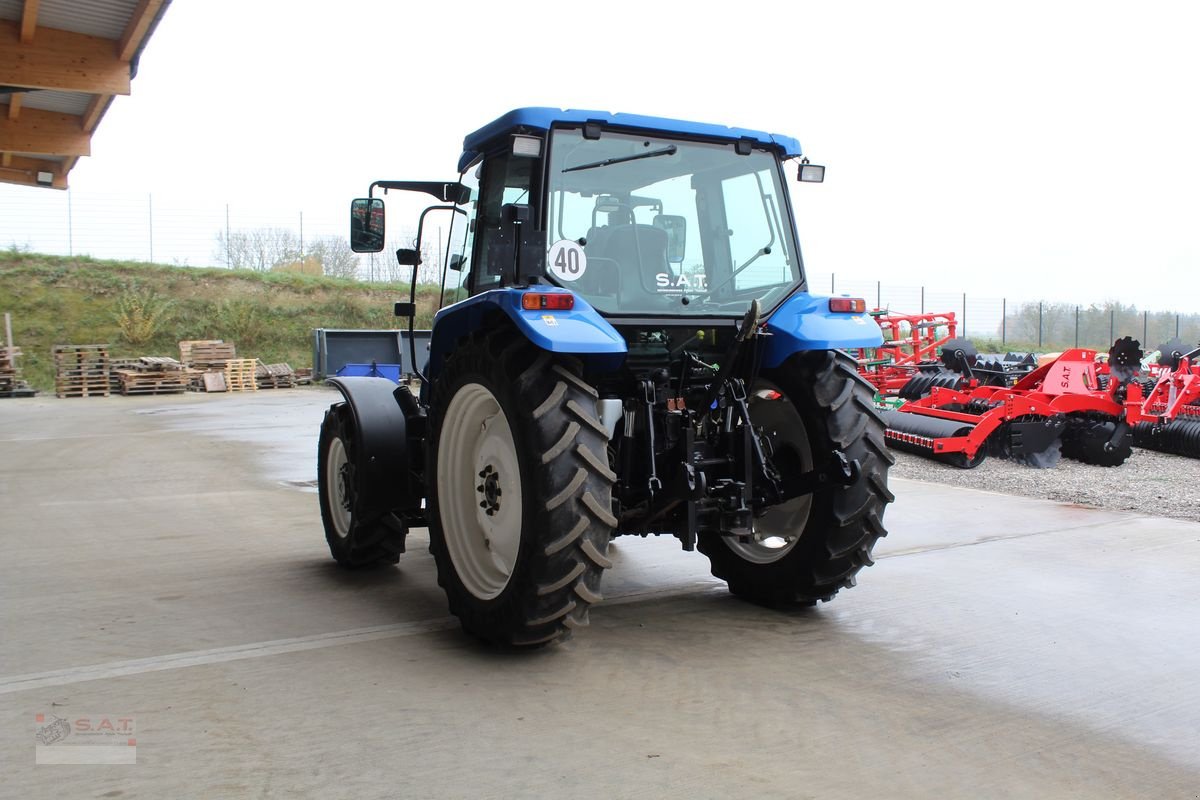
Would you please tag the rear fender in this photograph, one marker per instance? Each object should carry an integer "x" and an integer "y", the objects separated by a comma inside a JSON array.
[
  {"x": 383, "y": 474},
  {"x": 804, "y": 322},
  {"x": 580, "y": 332}
]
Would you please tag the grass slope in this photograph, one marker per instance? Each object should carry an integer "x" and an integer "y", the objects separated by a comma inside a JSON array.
[{"x": 58, "y": 300}]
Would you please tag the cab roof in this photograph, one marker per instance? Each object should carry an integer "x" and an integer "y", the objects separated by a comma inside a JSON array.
[{"x": 537, "y": 118}]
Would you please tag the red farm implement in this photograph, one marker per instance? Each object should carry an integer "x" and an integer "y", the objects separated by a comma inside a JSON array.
[
  {"x": 1059, "y": 407},
  {"x": 1169, "y": 418},
  {"x": 921, "y": 352},
  {"x": 909, "y": 340}
]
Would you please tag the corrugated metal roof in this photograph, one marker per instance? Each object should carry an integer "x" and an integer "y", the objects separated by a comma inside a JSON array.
[
  {"x": 104, "y": 18},
  {"x": 61, "y": 102}
]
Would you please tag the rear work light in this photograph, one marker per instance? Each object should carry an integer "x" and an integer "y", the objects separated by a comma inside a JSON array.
[
  {"x": 556, "y": 301},
  {"x": 847, "y": 305}
]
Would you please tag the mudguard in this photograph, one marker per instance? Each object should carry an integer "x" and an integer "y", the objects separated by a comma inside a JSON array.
[
  {"x": 804, "y": 322},
  {"x": 382, "y": 472},
  {"x": 580, "y": 332}
]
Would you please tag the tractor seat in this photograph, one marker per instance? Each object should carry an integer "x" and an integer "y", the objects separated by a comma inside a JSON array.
[{"x": 637, "y": 252}]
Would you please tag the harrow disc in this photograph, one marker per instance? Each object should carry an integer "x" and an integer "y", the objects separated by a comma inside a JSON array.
[
  {"x": 922, "y": 383},
  {"x": 1034, "y": 441},
  {"x": 1125, "y": 358},
  {"x": 959, "y": 355},
  {"x": 1086, "y": 439},
  {"x": 1179, "y": 437},
  {"x": 1170, "y": 353},
  {"x": 915, "y": 433}
]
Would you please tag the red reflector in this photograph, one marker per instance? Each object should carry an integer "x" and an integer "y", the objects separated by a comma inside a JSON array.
[
  {"x": 847, "y": 305},
  {"x": 558, "y": 301}
]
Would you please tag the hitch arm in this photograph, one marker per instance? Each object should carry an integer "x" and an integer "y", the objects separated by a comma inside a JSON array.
[{"x": 841, "y": 471}]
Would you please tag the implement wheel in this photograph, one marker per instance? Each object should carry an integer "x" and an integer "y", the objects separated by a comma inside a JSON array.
[
  {"x": 519, "y": 492},
  {"x": 353, "y": 540},
  {"x": 809, "y": 547}
]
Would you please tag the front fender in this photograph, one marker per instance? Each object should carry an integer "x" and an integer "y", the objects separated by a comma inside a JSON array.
[
  {"x": 580, "y": 332},
  {"x": 804, "y": 322}
]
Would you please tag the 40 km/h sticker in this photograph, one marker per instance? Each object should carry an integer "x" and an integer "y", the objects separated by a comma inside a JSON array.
[{"x": 567, "y": 261}]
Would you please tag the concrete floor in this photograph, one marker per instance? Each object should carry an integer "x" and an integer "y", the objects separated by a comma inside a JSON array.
[{"x": 162, "y": 559}]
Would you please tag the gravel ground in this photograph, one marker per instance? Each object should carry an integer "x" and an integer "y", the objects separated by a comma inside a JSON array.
[{"x": 1149, "y": 482}]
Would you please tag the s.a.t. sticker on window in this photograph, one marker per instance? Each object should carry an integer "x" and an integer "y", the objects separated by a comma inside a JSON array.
[{"x": 566, "y": 261}]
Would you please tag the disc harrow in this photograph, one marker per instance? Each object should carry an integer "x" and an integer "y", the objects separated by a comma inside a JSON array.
[
  {"x": 1059, "y": 408},
  {"x": 1169, "y": 418}
]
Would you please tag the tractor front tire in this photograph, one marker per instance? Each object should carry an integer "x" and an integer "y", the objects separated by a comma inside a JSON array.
[
  {"x": 353, "y": 540},
  {"x": 520, "y": 509},
  {"x": 810, "y": 547}
]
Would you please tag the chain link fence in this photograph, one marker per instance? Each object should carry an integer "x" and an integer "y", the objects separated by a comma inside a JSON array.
[{"x": 146, "y": 228}]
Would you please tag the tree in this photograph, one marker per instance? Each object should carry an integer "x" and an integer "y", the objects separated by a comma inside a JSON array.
[
  {"x": 335, "y": 256},
  {"x": 258, "y": 249}
]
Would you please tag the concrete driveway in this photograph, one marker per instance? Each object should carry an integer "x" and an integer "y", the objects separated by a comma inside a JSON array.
[{"x": 162, "y": 562}]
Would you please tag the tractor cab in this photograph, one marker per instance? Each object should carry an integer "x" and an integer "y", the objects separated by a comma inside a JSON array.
[{"x": 639, "y": 216}]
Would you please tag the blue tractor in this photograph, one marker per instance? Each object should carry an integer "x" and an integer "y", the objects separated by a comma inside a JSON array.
[{"x": 626, "y": 346}]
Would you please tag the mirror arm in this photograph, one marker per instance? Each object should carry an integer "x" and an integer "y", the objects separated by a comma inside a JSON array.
[{"x": 445, "y": 192}]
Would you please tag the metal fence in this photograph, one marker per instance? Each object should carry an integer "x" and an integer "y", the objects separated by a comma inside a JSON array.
[{"x": 191, "y": 233}]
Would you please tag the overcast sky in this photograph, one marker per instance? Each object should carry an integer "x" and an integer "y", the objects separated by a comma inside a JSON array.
[{"x": 1020, "y": 149}]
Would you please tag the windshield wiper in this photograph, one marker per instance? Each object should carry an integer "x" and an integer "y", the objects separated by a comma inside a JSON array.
[{"x": 669, "y": 150}]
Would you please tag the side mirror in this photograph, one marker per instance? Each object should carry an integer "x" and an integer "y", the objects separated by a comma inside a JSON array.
[
  {"x": 408, "y": 258},
  {"x": 457, "y": 262},
  {"x": 676, "y": 228},
  {"x": 366, "y": 225}
]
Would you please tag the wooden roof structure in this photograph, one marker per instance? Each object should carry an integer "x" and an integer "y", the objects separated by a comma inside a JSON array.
[{"x": 61, "y": 64}]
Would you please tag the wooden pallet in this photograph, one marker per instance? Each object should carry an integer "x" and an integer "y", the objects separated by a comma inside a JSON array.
[
  {"x": 81, "y": 370},
  {"x": 274, "y": 376},
  {"x": 239, "y": 375},
  {"x": 186, "y": 346},
  {"x": 207, "y": 354},
  {"x": 160, "y": 382}
]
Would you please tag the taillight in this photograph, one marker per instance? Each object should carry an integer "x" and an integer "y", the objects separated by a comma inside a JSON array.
[
  {"x": 555, "y": 301},
  {"x": 847, "y": 305}
]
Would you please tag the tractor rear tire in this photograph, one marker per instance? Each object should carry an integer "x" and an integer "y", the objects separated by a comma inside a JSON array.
[
  {"x": 520, "y": 491},
  {"x": 353, "y": 541},
  {"x": 830, "y": 407}
]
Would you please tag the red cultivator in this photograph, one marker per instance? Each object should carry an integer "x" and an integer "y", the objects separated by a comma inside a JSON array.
[
  {"x": 1059, "y": 404},
  {"x": 909, "y": 341},
  {"x": 1169, "y": 418},
  {"x": 923, "y": 351}
]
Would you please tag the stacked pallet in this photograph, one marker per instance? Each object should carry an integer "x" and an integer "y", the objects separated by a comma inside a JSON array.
[
  {"x": 11, "y": 384},
  {"x": 274, "y": 376},
  {"x": 239, "y": 375},
  {"x": 152, "y": 375},
  {"x": 206, "y": 353},
  {"x": 81, "y": 370},
  {"x": 206, "y": 358}
]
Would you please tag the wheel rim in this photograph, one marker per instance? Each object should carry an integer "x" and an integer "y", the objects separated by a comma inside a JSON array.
[
  {"x": 783, "y": 427},
  {"x": 336, "y": 489},
  {"x": 479, "y": 491}
]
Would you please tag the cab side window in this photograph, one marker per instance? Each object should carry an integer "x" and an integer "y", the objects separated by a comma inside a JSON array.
[{"x": 505, "y": 179}]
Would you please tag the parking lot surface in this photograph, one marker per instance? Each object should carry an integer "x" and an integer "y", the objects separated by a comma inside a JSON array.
[{"x": 162, "y": 561}]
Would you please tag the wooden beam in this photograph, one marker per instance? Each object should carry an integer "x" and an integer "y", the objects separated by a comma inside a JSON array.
[
  {"x": 14, "y": 105},
  {"x": 62, "y": 60},
  {"x": 96, "y": 109},
  {"x": 29, "y": 20},
  {"x": 44, "y": 133},
  {"x": 24, "y": 171},
  {"x": 139, "y": 25}
]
